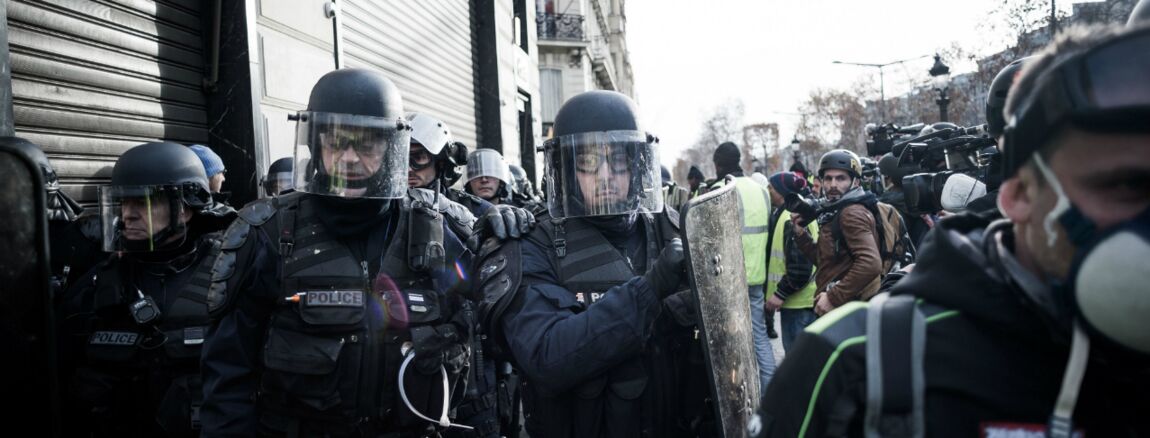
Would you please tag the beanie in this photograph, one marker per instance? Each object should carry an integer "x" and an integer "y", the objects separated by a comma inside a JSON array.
[
  {"x": 213, "y": 165},
  {"x": 788, "y": 182},
  {"x": 727, "y": 156}
]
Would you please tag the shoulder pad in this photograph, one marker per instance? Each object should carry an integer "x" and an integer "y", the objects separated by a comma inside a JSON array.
[
  {"x": 258, "y": 212},
  {"x": 455, "y": 211},
  {"x": 426, "y": 196},
  {"x": 222, "y": 270},
  {"x": 462, "y": 196},
  {"x": 498, "y": 276},
  {"x": 236, "y": 235}
]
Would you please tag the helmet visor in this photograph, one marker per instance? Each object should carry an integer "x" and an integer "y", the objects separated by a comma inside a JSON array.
[
  {"x": 487, "y": 163},
  {"x": 602, "y": 174},
  {"x": 277, "y": 182},
  {"x": 140, "y": 218},
  {"x": 351, "y": 156}
]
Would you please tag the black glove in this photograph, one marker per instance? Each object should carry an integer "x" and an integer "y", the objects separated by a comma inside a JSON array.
[
  {"x": 501, "y": 222},
  {"x": 438, "y": 345},
  {"x": 669, "y": 270}
]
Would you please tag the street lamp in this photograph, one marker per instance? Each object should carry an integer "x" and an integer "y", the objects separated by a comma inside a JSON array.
[
  {"x": 940, "y": 75},
  {"x": 881, "y": 85}
]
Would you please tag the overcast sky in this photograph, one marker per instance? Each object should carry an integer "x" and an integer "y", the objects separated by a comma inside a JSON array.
[{"x": 689, "y": 56}]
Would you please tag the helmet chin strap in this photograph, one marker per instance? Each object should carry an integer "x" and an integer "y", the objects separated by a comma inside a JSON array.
[{"x": 1061, "y": 421}]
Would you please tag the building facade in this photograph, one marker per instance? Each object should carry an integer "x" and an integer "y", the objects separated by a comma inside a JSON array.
[
  {"x": 91, "y": 79},
  {"x": 582, "y": 47}
]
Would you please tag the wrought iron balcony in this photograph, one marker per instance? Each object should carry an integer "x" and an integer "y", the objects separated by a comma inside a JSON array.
[{"x": 567, "y": 27}]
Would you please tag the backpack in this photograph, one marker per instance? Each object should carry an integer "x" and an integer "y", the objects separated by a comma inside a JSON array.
[{"x": 895, "y": 248}]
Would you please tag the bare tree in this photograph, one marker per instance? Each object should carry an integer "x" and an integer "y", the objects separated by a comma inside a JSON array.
[
  {"x": 760, "y": 141},
  {"x": 724, "y": 124},
  {"x": 831, "y": 119}
]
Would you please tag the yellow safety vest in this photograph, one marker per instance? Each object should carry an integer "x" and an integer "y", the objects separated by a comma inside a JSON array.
[
  {"x": 777, "y": 266},
  {"x": 755, "y": 206}
]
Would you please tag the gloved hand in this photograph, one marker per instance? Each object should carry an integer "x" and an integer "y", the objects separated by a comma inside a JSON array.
[
  {"x": 501, "y": 222},
  {"x": 669, "y": 269},
  {"x": 438, "y": 345}
]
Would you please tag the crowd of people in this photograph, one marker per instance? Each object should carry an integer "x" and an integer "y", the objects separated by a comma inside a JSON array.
[{"x": 392, "y": 283}]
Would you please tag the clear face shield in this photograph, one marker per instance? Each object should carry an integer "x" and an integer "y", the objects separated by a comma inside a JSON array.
[
  {"x": 142, "y": 218},
  {"x": 487, "y": 163},
  {"x": 603, "y": 173},
  {"x": 351, "y": 156}
]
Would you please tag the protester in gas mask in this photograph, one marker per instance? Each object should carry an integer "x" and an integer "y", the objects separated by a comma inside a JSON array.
[{"x": 1031, "y": 324}]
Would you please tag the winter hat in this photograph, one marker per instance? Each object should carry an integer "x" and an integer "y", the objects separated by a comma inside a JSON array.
[
  {"x": 727, "y": 155},
  {"x": 788, "y": 182},
  {"x": 213, "y": 165},
  {"x": 695, "y": 173}
]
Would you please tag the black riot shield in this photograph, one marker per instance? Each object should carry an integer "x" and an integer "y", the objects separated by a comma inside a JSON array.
[
  {"x": 25, "y": 304},
  {"x": 712, "y": 238}
]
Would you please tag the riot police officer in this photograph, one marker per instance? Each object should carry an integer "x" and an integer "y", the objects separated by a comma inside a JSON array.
[
  {"x": 488, "y": 176},
  {"x": 338, "y": 304},
  {"x": 279, "y": 177},
  {"x": 435, "y": 158},
  {"x": 133, "y": 326},
  {"x": 590, "y": 306}
]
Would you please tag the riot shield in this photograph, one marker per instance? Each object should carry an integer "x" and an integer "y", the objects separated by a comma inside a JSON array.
[
  {"x": 25, "y": 303},
  {"x": 712, "y": 239}
]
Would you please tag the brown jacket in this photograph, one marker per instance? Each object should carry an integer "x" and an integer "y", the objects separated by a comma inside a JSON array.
[{"x": 857, "y": 271}]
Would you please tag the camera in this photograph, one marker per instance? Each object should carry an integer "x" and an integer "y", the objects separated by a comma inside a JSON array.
[
  {"x": 809, "y": 208},
  {"x": 871, "y": 178},
  {"x": 881, "y": 138},
  {"x": 957, "y": 162}
]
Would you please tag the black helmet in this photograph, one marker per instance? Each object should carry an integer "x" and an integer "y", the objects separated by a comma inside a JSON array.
[
  {"x": 596, "y": 131},
  {"x": 147, "y": 175},
  {"x": 356, "y": 91},
  {"x": 350, "y": 110},
  {"x": 665, "y": 175},
  {"x": 996, "y": 97},
  {"x": 60, "y": 206},
  {"x": 279, "y": 177},
  {"x": 841, "y": 159}
]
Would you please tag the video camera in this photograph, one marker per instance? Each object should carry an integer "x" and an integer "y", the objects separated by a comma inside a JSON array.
[
  {"x": 958, "y": 163},
  {"x": 881, "y": 138}
]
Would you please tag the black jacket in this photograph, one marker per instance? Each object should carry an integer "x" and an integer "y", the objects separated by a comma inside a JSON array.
[{"x": 991, "y": 355}]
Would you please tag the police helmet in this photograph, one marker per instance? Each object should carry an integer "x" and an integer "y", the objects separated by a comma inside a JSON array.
[
  {"x": 597, "y": 141},
  {"x": 145, "y": 179},
  {"x": 353, "y": 137}
]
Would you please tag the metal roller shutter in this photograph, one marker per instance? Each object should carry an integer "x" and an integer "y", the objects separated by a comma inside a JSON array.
[
  {"x": 91, "y": 79},
  {"x": 425, "y": 48}
]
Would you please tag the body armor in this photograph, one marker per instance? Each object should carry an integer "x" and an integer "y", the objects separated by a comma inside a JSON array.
[
  {"x": 139, "y": 374},
  {"x": 341, "y": 332}
]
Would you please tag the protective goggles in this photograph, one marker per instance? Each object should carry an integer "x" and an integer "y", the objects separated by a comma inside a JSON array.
[
  {"x": 1105, "y": 89},
  {"x": 420, "y": 159}
]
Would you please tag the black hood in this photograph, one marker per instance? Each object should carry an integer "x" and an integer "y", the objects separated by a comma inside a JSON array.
[{"x": 966, "y": 264}]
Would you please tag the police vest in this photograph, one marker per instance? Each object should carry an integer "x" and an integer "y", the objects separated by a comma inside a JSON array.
[
  {"x": 165, "y": 351},
  {"x": 337, "y": 340},
  {"x": 630, "y": 397},
  {"x": 777, "y": 266},
  {"x": 755, "y": 209}
]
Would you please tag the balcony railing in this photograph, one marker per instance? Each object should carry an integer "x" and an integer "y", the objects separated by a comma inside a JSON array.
[{"x": 567, "y": 27}]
